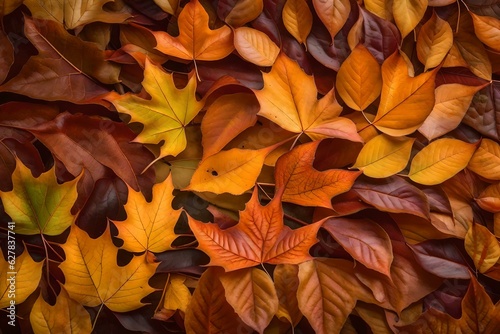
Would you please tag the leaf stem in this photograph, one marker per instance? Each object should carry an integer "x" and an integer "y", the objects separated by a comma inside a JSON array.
[{"x": 96, "y": 317}]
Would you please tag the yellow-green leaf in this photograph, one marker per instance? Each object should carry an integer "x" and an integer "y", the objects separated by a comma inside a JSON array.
[
  {"x": 23, "y": 272},
  {"x": 166, "y": 114},
  {"x": 39, "y": 205},
  {"x": 65, "y": 317},
  {"x": 384, "y": 156},
  {"x": 359, "y": 80},
  {"x": 486, "y": 160},
  {"x": 149, "y": 226},
  {"x": 440, "y": 160},
  {"x": 482, "y": 246}
]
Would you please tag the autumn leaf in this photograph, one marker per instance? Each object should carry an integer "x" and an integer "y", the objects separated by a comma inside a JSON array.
[
  {"x": 482, "y": 246},
  {"x": 402, "y": 93},
  {"x": 149, "y": 226},
  {"x": 485, "y": 160},
  {"x": 93, "y": 277},
  {"x": 434, "y": 40},
  {"x": 255, "y": 46},
  {"x": 359, "y": 81},
  {"x": 252, "y": 294},
  {"x": 305, "y": 185},
  {"x": 407, "y": 14},
  {"x": 209, "y": 312},
  {"x": 66, "y": 316},
  {"x": 166, "y": 114},
  {"x": 384, "y": 156},
  {"x": 289, "y": 99},
  {"x": 333, "y": 14},
  {"x": 177, "y": 297},
  {"x": 75, "y": 13},
  {"x": 205, "y": 44},
  {"x": 40, "y": 205},
  {"x": 23, "y": 272},
  {"x": 440, "y": 160},
  {"x": 243, "y": 12},
  {"x": 259, "y": 237},
  {"x": 487, "y": 29},
  {"x": 489, "y": 199},
  {"x": 298, "y": 19},
  {"x": 286, "y": 282}
]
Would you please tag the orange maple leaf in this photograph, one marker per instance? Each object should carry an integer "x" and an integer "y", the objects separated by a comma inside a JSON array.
[{"x": 259, "y": 237}]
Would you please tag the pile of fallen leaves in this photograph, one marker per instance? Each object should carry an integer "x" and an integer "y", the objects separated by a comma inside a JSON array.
[{"x": 240, "y": 166}]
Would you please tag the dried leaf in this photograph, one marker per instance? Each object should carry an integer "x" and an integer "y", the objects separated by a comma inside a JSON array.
[
  {"x": 298, "y": 19},
  {"x": 434, "y": 40},
  {"x": 255, "y": 46},
  {"x": 486, "y": 160},
  {"x": 482, "y": 246}
]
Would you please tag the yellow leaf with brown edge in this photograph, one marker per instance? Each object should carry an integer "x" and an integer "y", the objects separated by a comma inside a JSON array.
[
  {"x": 166, "y": 114},
  {"x": 303, "y": 184},
  {"x": 452, "y": 103},
  {"x": 65, "y": 316},
  {"x": 252, "y": 295},
  {"x": 243, "y": 12},
  {"x": 407, "y": 14},
  {"x": 434, "y": 40},
  {"x": 489, "y": 199},
  {"x": 209, "y": 312},
  {"x": 259, "y": 237},
  {"x": 149, "y": 225},
  {"x": 289, "y": 99},
  {"x": 406, "y": 101},
  {"x": 487, "y": 29},
  {"x": 23, "y": 272},
  {"x": 39, "y": 205},
  {"x": 93, "y": 277},
  {"x": 440, "y": 160},
  {"x": 486, "y": 160},
  {"x": 384, "y": 156},
  {"x": 359, "y": 80},
  {"x": 298, "y": 19},
  {"x": 482, "y": 246},
  {"x": 333, "y": 14},
  {"x": 255, "y": 46},
  {"x": 205, "y": 44}
]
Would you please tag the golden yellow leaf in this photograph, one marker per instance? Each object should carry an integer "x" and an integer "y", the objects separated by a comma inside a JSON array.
[
  {"x": 205, "y": 44},
  {"x": 169, "y": 6},
  {"x": 489, "y": 199},
  {"x": 487, "y": 29},
  {"x": 234, "y": 171},
  {"x": 297, "y": 18},
  {"x": 333, "y": 14},
  {"x": 93, "y": 277},
  {"x": 440, "y": 160},
  {"x": 227, "y": 117},
  {"x": 65, "y": 317},
  {"x": 7, "y": 7},
  {"x": 486, "y": 160},
  {"x": 452, "y": 102},
  {"x": 39, "y": 205},
  {"x": 177, "y": 296},
  {"x": 149, "y": 226},
  {"x": 166, "y": 114},
  {"x": 384, "y": 156},
  {"x": 252, "y": 295},
  {"x": 244, "y": 11},
  {"x": 408, "y": 13},
  {"x": 406, "y": 101},
  {"x": 289, "y": 99},
  {"x": 21, "y": 271},
  {"x": 434, "y": 40},
  {"x": 381, "y": 8},
  {"x": 482, "y": 246},
  {"x": 359, "y": 80},
  {"x": 255, "y": 46}
]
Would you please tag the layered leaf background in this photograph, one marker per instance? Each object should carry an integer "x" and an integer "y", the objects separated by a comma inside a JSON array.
[{"x": 250, "y": 166}]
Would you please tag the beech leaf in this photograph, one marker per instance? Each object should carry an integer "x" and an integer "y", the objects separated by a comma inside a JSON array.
[
  {"x": 434, "y": 40},
  {"x": 407, "y": 14},
  {"x": 298, "y": 19}
]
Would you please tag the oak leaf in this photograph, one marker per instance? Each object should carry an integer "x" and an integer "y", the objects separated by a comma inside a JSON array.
[
  {"x": 303, "y": 184},
  {"x": 166, "y": 114},
  {"x": 149, "y": 226},
  {"x": 259, "y": 237},
  {"x": 93, "y": 277},
  {"x": 196, "y": 41},
  {"x": 66, "y": 316},
  {"x": 40, "y": 205},
  {"x": 251, "y": 293},
  {"x": 406, "y": 101},
  {"x": 26, "y": 273},
  {"x": 289, "y": 99}
]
